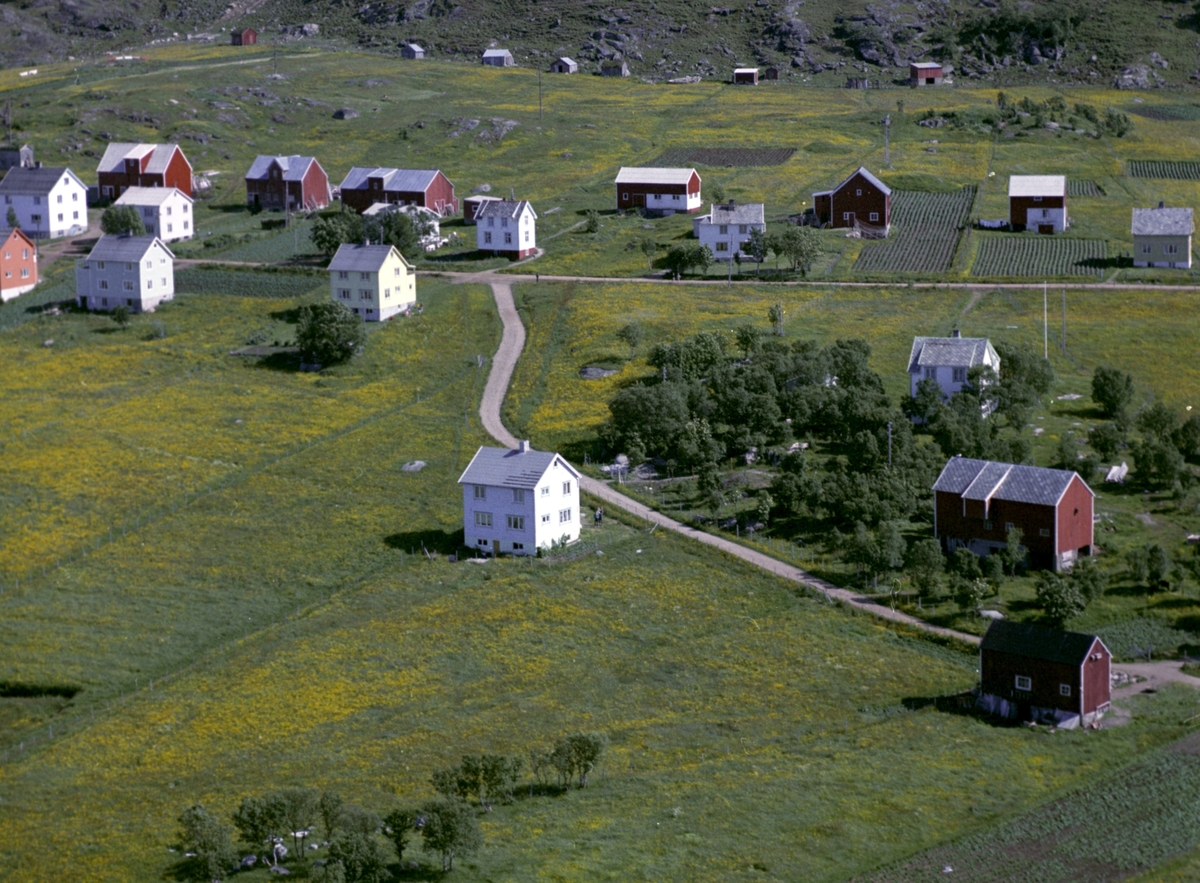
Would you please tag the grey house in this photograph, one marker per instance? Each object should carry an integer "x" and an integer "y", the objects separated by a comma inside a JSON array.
[
  {"x": 614, "y": 69},
  {"x": 498, "y": 58},
  {"x": 564, "y": 65},
  {"x": 1162, "y": 237},
  {"x": 412, "y": 51}
]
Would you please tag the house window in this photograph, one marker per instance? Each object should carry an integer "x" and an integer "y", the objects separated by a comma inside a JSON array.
[
  {"x": 675, "y": 197},
  {"x": 483, "y": 519},
  {"x": 508, "y": 239},
  {"x": 129, "y": 301},
  {"x": 487, "y": 238},
  {"x": 366, "y": 294},
  {"x": 103, "y": 300},
  {"x": 149, "y": 283},
  {"x": 564, "y": 515},
  {"x": 60, "y": 199},
  {"x": 845, "y": 216},
  {"x": 624, "y": 197},
  {"x": 1044, "y": 532},
  {"x": 566, "y": 488},
  {"x": 1170, "y": 249},
  {"x": 546, "y": 491},
  {"x": 36, "y": 219},
  {"x": 1008, "y": 525},
  {"x": 722, "y": 246},
  {"x": 526, "y": 236},
  {"x": 987, "y": 525},
  {"x": 858, "y": 192},
  {"x": 164, "y": 281},
  {"x": 874, "y": 216},
  {"x": 387, "y": 292},
  {"x": 504, "y": 222},
  {"x": 491, "y": 222},
  {"x": 517, "y": 547},
  {"x": 1147, "y": 249},
  {"x": 742, "y": 228},
  {"x": 60, "y": 217},
  {"x": 24, "y": 272},
  {"x": 1024, "y": 683},
  {"x": 396, "y": 272},
  {"x": 518, "y": 495},
  {"x": 74, "y": 216},
  {"x": 1064, "y": 689},
  {"x": 342, "y": 274},
  {"x": 100, "y": 264},
  {"x": 37, "y": 200},
  {"x": 960, "y": 375},
  {"x": 546, "y": 518},
  {"x": 74, "y": 197},
  {"x": 724, "y": 229},
  {"x": 480, "y": 492},
  {"x": 104, "y": 285},
  {"x": 516, "y": 522},
  {"x": 24, "y": 254},
  {"x": 170, "y": 228},
  {"x": 344, "y": 293},
  {"x": 931, "y": 373},
  {"x": 364, "y": 275}
]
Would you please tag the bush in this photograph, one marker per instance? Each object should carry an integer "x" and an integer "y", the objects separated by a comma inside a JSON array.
[
  {"x": 118, "y": 219},
  {"x": 328, "y": 333}
]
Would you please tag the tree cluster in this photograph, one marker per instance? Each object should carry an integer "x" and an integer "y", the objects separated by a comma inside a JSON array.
[
  {"x": 387, "y": 228},
  {"x": 121, "y": 219}
]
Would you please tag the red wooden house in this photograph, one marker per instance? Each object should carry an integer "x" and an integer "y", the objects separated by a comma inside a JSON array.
[
  {"x": 244, "y": 37},
  {"x": 1033, "y": 672},
  {"x": 666, "y": 191},
  {"x": 977, "y": 502},
  {"x": 427, "y": 188},
  {"x": 1038, "y": 202},
  {"x": 860, "y": 199},
  {"x": 292, "y": 183},
  {"x": 18, "y": 265},
  {"x": 143, "y": 165}
]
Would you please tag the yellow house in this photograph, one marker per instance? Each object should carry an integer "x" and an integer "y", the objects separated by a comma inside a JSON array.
[
  {"x": 1162, "y": 237},
  {"x": 374, "y": 281}
]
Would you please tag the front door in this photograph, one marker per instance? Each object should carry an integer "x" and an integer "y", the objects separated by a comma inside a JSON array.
[
  {"x": 639, "y": 200},
  {"x": 495, "y": 548}
]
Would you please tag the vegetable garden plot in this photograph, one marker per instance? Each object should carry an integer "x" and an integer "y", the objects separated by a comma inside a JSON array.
[
  {"x": 1075, "y": 187},
  {"x": 1152, "y": 168},
  {"x": 926, "y": 228},
  {"x": 1168, "y": 113},
  {"x": 246, "y": 283},
  {"x": 1039, "y": 256},
  {"x": 725, "y": 156}
]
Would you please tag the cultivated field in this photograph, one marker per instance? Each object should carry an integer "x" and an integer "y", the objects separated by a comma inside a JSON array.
[
  {"x": 1178, "y": 171},
  {"x": 926, "y": 229},
  {"x": 1040, "y": 257}
]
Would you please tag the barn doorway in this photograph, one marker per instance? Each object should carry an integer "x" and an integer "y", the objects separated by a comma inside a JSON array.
[{"x": 1046, "y": 229}]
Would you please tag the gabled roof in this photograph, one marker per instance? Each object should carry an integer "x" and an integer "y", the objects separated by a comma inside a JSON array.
[
  {"x": 21, "y": 181},
  {"x": 364, "y": 258},
  {"x": 1038, "y": 642},
  {"x": 149, "y": 195},
  {"x": 737, "y": 213},
  {"x": 861, "y": 170},
  {"x": 125, "y": 248},
  {"x": 950, "y": 352},
  {"x": 504, "y": 467},
  {"x": 405, "y": 180},
  {"x": 1162, "y": 222},
  {"x": 1037, "y": 185},
  {"x": 568, "y": 60},
  {"x": 503, "y": 208},
  {"x": 117, "y": 152},
  {"x": 745, "y": 70},
  {"x": 415, "y": 48},
  {"x": 924, "y": 65},
  {"x": 294, "y": 167},
  {"x": 18, "y": 233},
  {"x": 496, "y": 53},
  {"x": 984, "y": 479},
  {"x": 650, "y": 175}
]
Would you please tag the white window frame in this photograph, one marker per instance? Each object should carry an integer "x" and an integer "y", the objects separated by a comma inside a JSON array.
[
  {"x": 1023, "y": 683},
  {"x": 516, "y": 522},
  {"x": 480, "y": 492},
  {"x": 483, "y": 519},
  {"x": 1064, "y": 690},
  {"x": 564, "y": 516}
]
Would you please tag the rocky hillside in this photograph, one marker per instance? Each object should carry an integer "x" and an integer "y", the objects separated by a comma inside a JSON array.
[{"x": 1145, "y": 44}]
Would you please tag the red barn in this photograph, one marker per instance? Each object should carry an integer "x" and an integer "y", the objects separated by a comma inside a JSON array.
[
  {"x": 294, "y": 183},
  {"x": 1037, "y": 673},
  {"x": 18, "y": 265},
  {"x": 977, "y": 502},
  {"x": 1038, "y": 202},
  {"x": 659, "y": 190},
  {"x": 244, "y": 37},
  {"x": 860, "y": 199},
  {"x": 427, "y": 188},
  {"x": 143, "y": 165}
]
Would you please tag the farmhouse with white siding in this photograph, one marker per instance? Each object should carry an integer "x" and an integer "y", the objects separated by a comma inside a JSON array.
[
  {"x": 166, "y": 213},
  {"x": 506, "y": 229},
  {"x": 948, "y": 362},
  {"x": 1162, "y": 237},
  {"x": 375, "y": 282},
  {"x": 518, "y": 501},
  {"x": 48, "y": 203},
  {"x": 727, "y": 227},
  {"x": 135, "y": 272}
]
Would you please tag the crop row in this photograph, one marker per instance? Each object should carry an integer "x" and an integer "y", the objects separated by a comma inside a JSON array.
[
  {"x": 1179, "y": 171},
  {"x": 1039, "y": 256},
  {"x": 1078, "y": 187},
  {"x": 246, "y": 284},
  {"x": 925, "y": 231}
]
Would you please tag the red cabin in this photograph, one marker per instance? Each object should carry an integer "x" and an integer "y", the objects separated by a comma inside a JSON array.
[
  {"x": 862, "y": 199},
  {"x": 1032, "y": 672},
  {"x": 244, "y": 37},
  {"x": 127, "y": 165},
  {"x": 291, "y": 183}
]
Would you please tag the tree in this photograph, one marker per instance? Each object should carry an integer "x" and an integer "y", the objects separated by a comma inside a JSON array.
[
  {"x": 577, "y": 755},
  {"x": 1089, "y": 579},
  {"x": 925, "y": 565},
  {"x": 399, "y": 825},
  {"x": 756, "y": 247},
  {"x": 970, "y": 593},
  {"x": 748, "y": 339},
  {"x": 14, "y": 223},
  {"x": 330, "y": 807},
  {"x": 925, "y": 404},
  {"x": 1160, "y": 570},
  {"x": 361, "y": 857},
  {"x": 354, "y": 819},
  {"x": 120, "y": 315},
  {"x": 775, "y": 317},
  {"x": 1059, "y": 598},
  {"x": 449, "y": 827},
  {"x": 330, "y": 872},
  {"x": 1157, "y": 463},
  {"x": 1159, "y": 421},
  {"x": 592, "y": 225},
  {"x": 203, "y": 834},
  {"x": 256, "y": 822},
  {"x": 121, "y": 219},
  {"x": 801, "y": 246},
  {"x": 328, "y": 333},
  {"x": 649, "y": 248},
  {"x": 331, "y": 231},
  {"x": 1107, "y": 439},
  {"x": 396, "y": 228},
  {"x": 631, "y": 334},
  {"x": 1014, "y": 552},
  {"x": 965, "y": 563},
  {"x": 1112, "y": 390}
]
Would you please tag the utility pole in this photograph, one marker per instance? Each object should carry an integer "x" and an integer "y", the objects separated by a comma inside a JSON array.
[
  {"x": 539, "y": 96},
  {"x": 887, "y": 140},
  {"x": 1045, "y": 325},
  {"x": 275, "y": 55},
  {"x": 889, "y": 444},
  {"x": 8, "y": 119},
  {"x": 1064, "y": 331}
]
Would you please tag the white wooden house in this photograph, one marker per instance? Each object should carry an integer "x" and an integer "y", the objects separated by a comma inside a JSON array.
[
  {"x": 518, "y": 501},
  {"x": 166, "y": 213},
  {"x": 726, "y": 228},
  {"x": 135, "y": 272},
  {"x": 48, "y": 203},
  {"x": 506, "y": 228},
  {"x": 949, "y": 360},
  {"x": 375, "y": 282}
]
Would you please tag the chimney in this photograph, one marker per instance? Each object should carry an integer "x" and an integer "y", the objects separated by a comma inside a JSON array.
[
  {"x": 956, "y": 333},
  {"x": 1160, "y": 204},
  {"x": 523, "y": 446}
]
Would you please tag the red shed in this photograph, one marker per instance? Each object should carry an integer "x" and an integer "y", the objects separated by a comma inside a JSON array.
[
  {"x": 244, "y": 37},
  {"x": 860, "y": 199},
  {"x": 1033, "y": 672},
  {"x": 977, "y": 502},
  {"x": 666, "y": 191},
  {"x": 925, "y": 73},
  {"x": 127, "y": 165},
  {"x": 294, "y": 183},
  {"x": 428, "y": 188},
  {"x": 18, "y": 265}
]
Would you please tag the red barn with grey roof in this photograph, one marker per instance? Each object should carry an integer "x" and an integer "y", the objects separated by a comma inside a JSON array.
[
  {"x": 860, "y": 199},
  {"x": 126, "y": 165},
  {"x": 428, "y": 188}
]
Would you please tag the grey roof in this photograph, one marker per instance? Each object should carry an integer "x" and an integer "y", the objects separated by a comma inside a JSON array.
[
  {"x": 149, "y": 195},
  {"x": 861, "y": 170},
  {"x": 504, "y": 467},
  {"x": 294, "y": 167},
  {"x": 1162, "y": 222},
  {"x": 738, "y": 213},
  {"x": 950, "y": 352},
  {"x": 415, "y": 48},
  {"x": 116, "y": 153},
  {"x": 124, "y": 248},
  {"x": 984, "y": 479},
  {"x": 21, "y": 181},
  {"x": 568, "y": 60},
  {"x": 362, "y": 258},
  {"x": 502, "y": 208},
  {"x": 496, "y": 53},
  {"x": 404, "y": 180},
  {"x": 1038, "y": 642}
]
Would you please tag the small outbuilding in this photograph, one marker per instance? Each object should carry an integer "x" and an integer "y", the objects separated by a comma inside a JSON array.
[
  {"x": 1032, "y": 672},
  {"x": 862, "y": 199},
  {"x": 1038, "y": 202},
  {"x": 745, "y": 76},
  {"x": 412, "y": 52},
  {"x": 771, "y": 73},
  {"x": 16, "y": 157},
  {"x": 925, "y": 73},
  {"x": 244, "y": 37},
  {"x": 1162, "y": 237},
  {"x": 614, "y": 69},
  {"x": 564, "y": 65},
  {"x": 497, "y": 58},
  {"x": 471, "y": 206}
]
